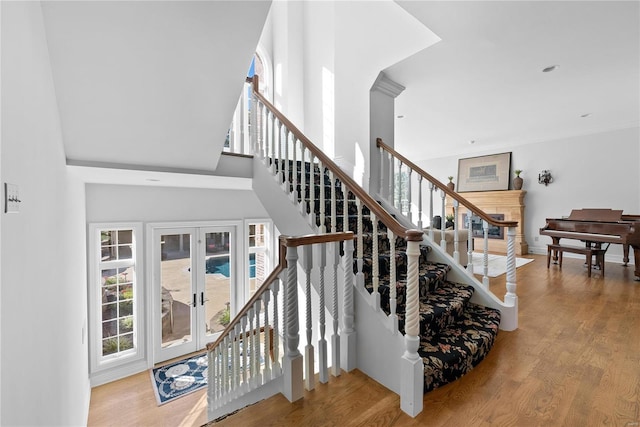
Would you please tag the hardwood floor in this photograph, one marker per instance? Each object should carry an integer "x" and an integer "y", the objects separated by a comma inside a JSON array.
[{"x": 574, "y": 361}]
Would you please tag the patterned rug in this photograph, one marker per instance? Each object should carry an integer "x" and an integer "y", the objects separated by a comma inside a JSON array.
[
  {"x": 497, "y": 264},
  {"x": 179, "y": 378}
]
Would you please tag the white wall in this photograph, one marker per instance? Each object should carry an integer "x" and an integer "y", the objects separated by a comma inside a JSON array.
[
  {"x": 44, "y": 351},
  {"x": 344, "y": 47},
  {"x": 589, "y": 171},
  {"x": 112, "y": 203}
]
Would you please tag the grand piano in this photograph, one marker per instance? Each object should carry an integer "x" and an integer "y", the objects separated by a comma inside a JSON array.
[{"x": 598, "y": 226}]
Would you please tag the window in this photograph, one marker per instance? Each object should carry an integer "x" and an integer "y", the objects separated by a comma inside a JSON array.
[
  {"x": 115, "y": 294},
  {"x": 259, "y": 254}
]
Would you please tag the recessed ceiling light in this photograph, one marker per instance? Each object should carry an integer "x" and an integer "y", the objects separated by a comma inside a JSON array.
[
  {"x": 400, "y": 117},
  {"x": 585, "y": 115},
  {"x": 549, "y": 69}
]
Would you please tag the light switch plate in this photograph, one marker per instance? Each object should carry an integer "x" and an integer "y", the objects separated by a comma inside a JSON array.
[{"x": 11, "y": 198}]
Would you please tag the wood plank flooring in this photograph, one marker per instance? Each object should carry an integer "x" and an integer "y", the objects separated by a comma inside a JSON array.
[{"x": 574, "y": 361}]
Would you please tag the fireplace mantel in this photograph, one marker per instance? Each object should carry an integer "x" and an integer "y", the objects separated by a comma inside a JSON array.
[{"x": 510, "y": 203}]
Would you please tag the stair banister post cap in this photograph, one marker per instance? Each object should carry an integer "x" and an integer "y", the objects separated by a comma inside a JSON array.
[{"x": 414, "y": 235}]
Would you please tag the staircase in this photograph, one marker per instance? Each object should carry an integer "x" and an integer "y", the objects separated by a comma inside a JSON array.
[
  {"x": 414, "y": 319},
  {"x": 455, "y": 334}
]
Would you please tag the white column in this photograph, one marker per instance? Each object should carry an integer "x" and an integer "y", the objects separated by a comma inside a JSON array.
[
  {"x": 510, "y": 297},
  {"x": 292, "y": 363},
  {"x": 412, "y": 367}
]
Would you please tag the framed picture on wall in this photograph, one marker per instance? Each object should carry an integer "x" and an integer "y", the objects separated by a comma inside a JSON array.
[{"x": 484, "y": 173}]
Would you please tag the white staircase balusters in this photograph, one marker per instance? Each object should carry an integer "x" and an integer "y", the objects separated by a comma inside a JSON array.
[
  {"x": 312, "y": 191},
  {"x": 420, "y": 202},
  {"x": 333, "y": 203},
  {"x": 381, "y": 188},
  {"x": 456, "y": 254},
  {"x": 243, "y": 354},
  {"x": 255, "y": 349},
  {"x": 399, "y": 188},
  {"x": 276, "y": 368},
  {"x": 247, "y": 344},
  {"x": 345, "y": 210},
  {"x": 266, "y": 371},
  {"x": 443, "y": 242},
  {"x": 272, "y": 143},
  {"x": 303, "y": 177},
  {"x": 286, "y": 184},
  {"x": 294, "y": 175},
  {"x": 393, "y": 291},
  {"x": 334, "y": 256},
  {"x": 432, "y": 229},
  {"x": 409, "y": 195},
  {"x": 321, "y": 261},
  {"x": 469, "y": 241},
  {"x": 360, "y": 254},
  {"x": 412, "y": 369},
  {"x": 235, "y": 352},
  {"x": 485, "y": 253},
  {"x": 292, "y": 363},
  {"x": 307, "y": 263},
  {"x": 323, "y": 228},
  {"x": 375, "y": 295},
  {"x": 391, "y": 180},
  {"x": 348, "y": 337}
]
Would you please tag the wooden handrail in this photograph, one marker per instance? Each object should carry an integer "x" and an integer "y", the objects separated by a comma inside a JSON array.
[
  {"x": 285, "y": 242},
  {"x": 456, "y": 196},
  {"x": 381, "y": 214}
]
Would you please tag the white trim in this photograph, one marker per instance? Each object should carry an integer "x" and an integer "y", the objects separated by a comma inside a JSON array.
[{"x": 107, "y": 367}]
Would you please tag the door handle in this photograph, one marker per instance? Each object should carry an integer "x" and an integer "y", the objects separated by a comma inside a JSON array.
[
  {"x": 195, "y": 300},
  {"x": 201, "y": 298}
]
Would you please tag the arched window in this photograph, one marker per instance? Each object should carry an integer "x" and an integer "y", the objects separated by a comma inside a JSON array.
[{"x": 238, "y": 135}]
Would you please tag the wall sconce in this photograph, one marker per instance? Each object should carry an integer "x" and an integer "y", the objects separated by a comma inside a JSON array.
[{"x": 545, "y": 177}]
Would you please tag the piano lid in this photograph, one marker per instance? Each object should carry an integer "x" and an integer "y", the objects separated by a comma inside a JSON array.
[{"x": 590, "y": 214}]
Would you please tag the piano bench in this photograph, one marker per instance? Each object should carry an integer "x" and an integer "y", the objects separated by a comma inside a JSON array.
[{"x": 589, "y": 252}]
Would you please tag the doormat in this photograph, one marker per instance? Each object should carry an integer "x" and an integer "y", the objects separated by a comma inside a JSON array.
[{"x": 179, "y": 378}]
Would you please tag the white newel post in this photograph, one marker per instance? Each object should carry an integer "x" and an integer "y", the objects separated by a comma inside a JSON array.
[
  {"x": 292, "y": 362},
  {"x": 348, "y": 337},
  {"x": 510, "y": 297},
  {"x": 412, "y": 369}
]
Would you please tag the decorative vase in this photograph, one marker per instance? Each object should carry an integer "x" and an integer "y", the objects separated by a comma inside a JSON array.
[
  {"x": 451, "y": 186},
  {"x": 517, "y": 183}
]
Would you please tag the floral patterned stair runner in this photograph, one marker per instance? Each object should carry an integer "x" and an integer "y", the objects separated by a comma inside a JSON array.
[{"x": 455, "y": 334}]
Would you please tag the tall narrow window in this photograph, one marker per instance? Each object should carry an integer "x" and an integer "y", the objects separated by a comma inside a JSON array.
[
  {"x": 115, "y": 294},
  {"x": 259, "y": 262}
]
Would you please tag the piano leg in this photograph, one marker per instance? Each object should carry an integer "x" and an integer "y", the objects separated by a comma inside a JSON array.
[
  {"x": 625, "y": 252},
  {"x": 556, "y": 241},
  {"x": 636, "y": 256}
]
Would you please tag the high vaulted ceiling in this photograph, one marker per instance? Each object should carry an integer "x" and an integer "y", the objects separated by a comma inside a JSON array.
[
  {"x": 483, "y": 81},
  {"x": 150, "y": 83}
]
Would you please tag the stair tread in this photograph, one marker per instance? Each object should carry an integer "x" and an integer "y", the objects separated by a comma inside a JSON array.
[
  {"x": 455, "y": 333},
  {"x": 457, "y": 349}
]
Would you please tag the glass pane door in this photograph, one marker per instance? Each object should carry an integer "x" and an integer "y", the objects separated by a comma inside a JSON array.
[
  {"x": 218, "y": 281},
  {"x": 177, "y": 290}
]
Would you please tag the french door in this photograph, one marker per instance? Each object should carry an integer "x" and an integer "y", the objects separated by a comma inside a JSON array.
[{"x": 194, "y": 280}]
